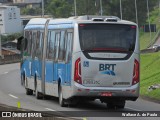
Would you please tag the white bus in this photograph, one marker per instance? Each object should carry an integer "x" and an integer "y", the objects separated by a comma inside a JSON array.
[{"x": 86, "y": 57}]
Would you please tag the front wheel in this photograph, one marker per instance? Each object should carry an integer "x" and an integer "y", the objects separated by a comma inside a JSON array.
[
  {"x": 61, "y": 99},
  {"x": 28, "y": 91}
]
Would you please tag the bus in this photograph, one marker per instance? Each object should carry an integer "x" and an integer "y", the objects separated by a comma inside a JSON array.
[{"x": 81, "y": 58}]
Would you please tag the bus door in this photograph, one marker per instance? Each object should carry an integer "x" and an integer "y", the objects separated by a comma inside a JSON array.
[
  {"x": 49, "y": 57},
  {"x": 55, "y": 57},
  {"x": 33, "y": 46},
  {"x": 68, "y": 47},
  {"x": 39, "y": 54}
]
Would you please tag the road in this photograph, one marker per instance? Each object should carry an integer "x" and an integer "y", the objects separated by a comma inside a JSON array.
[{"x": 12, "y": 92}]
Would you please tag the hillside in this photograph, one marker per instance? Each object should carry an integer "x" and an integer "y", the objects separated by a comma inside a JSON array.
[
  {"x": 150, "y": 74},
  {"x": 150, "y": 63}
]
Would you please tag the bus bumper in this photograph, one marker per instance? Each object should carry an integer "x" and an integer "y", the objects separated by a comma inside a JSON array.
[{"x": 128, "y": 93}]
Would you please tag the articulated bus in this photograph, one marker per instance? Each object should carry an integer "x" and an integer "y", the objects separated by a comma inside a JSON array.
[{"x": 81, "y": 58}]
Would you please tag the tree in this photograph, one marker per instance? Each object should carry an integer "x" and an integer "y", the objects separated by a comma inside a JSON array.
[{"x": 59, "y": 8}]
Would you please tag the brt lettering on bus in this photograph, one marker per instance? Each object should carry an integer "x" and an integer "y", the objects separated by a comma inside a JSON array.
[{"x": 107, "y": 69}]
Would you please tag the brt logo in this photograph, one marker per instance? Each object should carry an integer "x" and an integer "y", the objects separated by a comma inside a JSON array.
[{"x": 107, "y": 69}]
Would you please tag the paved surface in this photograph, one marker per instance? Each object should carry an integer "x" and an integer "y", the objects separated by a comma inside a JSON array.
[{"x": 12, "y": 92}]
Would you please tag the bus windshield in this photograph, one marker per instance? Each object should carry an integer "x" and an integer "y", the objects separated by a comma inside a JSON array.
[{"x": 107, "y": 37}]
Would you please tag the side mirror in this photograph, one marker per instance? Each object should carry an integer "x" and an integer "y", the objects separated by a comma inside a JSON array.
[
  {"x": 25, "y": 43},
  {"x": 22, "y": 43},
  {"x": 19, "y": 43}
]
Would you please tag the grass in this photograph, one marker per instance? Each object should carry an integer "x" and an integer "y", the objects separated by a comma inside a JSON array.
[
  {"x": 150, "y": 63},
  {"x": 150, "y": 74}
]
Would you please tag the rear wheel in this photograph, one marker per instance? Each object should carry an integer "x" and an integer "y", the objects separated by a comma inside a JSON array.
[
  {"x": 116, "y": 104},
  {"x": 61, "y": 99}
]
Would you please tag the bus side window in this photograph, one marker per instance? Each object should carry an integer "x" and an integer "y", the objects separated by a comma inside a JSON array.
[
  {"x": 61, "y": 47},
  {"x": 37, "y": 43},
  {"x": 26, "y": 34},
  {"x": 68, "y": 46},
  {"x": 56, "y": 46},
  {"x": 34, "y": 44},
  {"x": 29, "y": 42},
  {"x": 41, "y": 44},
  {"x": 51, "y": 41},
  {"x": 48, "y": 42}
]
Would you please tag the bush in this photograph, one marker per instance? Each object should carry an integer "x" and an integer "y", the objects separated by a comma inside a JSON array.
[{"x": 11, "y": 37}]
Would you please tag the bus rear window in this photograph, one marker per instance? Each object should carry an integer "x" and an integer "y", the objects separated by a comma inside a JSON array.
[{"x": 107, "y": 37}]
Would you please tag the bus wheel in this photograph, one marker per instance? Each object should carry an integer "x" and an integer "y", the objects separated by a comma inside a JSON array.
[
  {"x": 110, "y": 105},
  {"x": 61, "y": 100},
  {"x": 121, "y": 104},
  {"x": 118, "y": 104},
  {"x": 28, "y": 91},
  {"x": 38, "y": 94}
]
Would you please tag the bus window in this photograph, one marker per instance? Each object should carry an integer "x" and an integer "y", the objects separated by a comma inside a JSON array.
[
  {"x": 29, "y": 38},
  {"x": 62, "y": 47},
  {"x": 40, "y": 45},
  {"x": 51, "y": 41},
  {"x": 68, "y": 46},
  {"x": 56, "y": 46},
  {"x": 34, "y": 44},
  {"x": 106, "y": 37},
  {"x": 37, "y": 43}
]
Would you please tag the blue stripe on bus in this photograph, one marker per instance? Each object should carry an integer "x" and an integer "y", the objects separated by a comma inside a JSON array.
[{"x": 54, "y": 71}]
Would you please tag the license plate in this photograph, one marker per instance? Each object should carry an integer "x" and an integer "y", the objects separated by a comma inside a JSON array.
[{"x": 106, "y": 94}]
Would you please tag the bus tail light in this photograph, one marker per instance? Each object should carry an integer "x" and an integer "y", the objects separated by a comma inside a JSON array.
[
  {"x": 77, "y": 71},
  {"x": 135, "y": 73}
]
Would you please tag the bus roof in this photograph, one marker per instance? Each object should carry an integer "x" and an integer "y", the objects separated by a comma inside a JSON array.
[
  {"x": 37, "y": 21},
  {"x": 79, "y": 19}
]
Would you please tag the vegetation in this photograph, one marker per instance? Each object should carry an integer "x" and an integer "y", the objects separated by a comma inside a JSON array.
[
  {"x": 150, "y": 63},
  {"x": 145, "y": 39},
  {"x": 10, "y": 37},
  {"x": 31, "y": 11},
  {"x": 65, "y": 8},
  {"x": 150, "y": 74}
]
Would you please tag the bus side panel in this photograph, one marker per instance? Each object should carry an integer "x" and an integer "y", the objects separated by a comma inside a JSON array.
[
  {"x": 49, "y": 82},
  {"x": 66, "y": 86},
  {"x": 25, "y": 68}
]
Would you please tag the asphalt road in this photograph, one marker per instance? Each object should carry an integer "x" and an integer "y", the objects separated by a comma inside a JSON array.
[{"x": 12, "y": 92}]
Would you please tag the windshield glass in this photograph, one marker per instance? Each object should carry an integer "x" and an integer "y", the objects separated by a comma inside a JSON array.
[{"x": 107, "y": 37}]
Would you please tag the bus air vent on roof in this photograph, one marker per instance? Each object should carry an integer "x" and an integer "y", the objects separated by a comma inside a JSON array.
[
  {"x": 111, "y": 20},
  {"x": 97, "y": 19}
]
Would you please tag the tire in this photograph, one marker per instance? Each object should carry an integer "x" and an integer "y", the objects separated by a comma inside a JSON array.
[
  {"x": 110, "y": 105},
  {"x": 38, "y": 95},
  {"x": 28, "y": 91},
  {"x": 61, "y": 100},
  {"x": 118, "y": 104},
  {"x": 121, "y": 104}
]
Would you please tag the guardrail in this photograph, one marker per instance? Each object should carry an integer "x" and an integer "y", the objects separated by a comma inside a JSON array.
[{"x": 6, "y": 59}]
